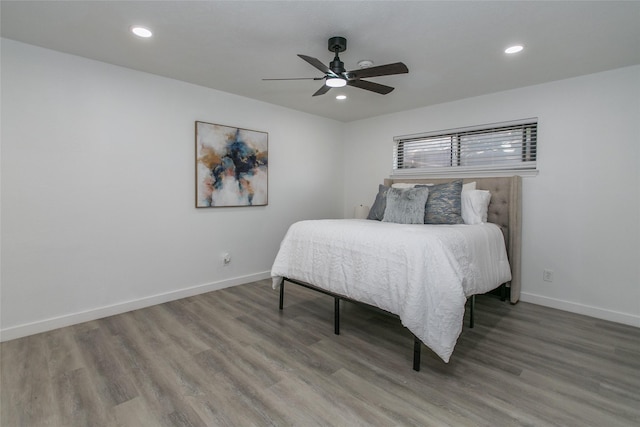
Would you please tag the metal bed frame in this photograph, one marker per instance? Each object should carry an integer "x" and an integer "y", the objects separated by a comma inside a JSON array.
[{"x": 417, "y": 344}]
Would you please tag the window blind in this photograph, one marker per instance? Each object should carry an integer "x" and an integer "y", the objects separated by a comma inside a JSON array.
[{"x": 496, "y": 147}]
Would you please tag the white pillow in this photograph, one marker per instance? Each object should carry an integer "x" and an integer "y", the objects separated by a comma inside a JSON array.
[
  {"x": 475, "y": 204},
  {"x": 469, "y": 186}
]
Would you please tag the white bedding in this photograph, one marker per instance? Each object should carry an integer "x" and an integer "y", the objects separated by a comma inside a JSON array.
[{"x": 422, "y": 273}]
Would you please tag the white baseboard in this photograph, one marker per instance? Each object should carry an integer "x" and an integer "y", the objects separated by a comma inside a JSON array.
[
  {"x": 98, "y": 313},
  {"x": 587, "y": 310}
]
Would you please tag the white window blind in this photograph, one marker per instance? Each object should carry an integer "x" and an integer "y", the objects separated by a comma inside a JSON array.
[{"x": 509, "y": 146}]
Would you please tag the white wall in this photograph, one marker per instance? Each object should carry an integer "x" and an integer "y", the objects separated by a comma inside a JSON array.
[
  {"x": 98, "y": 187},
  {"x": 581, "y": 212},
  {"x": 98, "y": 177}
]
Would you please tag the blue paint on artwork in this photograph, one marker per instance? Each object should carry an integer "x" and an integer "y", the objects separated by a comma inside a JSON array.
[{"x": 240, "y": 161}]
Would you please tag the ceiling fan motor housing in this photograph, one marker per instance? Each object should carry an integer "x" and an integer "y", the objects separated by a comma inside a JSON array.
[{"x": 337, "y": 66}]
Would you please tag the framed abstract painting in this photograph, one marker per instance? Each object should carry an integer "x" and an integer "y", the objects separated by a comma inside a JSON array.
[{"x": 231, "y": 166}]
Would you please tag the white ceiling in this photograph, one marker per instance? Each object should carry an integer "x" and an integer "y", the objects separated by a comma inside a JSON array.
[{"x": 454, "y": 49}]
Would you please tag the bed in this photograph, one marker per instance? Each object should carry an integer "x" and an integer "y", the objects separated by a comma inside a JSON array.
[{"x": 422, "y": 273}]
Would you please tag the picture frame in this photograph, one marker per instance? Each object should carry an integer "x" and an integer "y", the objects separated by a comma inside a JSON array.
[{"x": 231, "y": 166}]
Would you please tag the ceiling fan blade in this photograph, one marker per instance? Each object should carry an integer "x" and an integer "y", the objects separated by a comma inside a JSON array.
[
  {"x": 324, "y": 89},
  {"x": 300, "y": 78},
  {"x": 380, "y": 70},
  {"x": 316, "y": 63},
  {"x": 373, "y": 87}
]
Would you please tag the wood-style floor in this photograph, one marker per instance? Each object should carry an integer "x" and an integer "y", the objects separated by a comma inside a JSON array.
[{"x": 231, "y": 358}]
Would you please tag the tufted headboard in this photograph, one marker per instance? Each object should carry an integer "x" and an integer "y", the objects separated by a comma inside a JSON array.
[{"x": 505, "y": 210}]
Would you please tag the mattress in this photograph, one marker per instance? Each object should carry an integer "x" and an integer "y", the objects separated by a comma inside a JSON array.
[{"x": 422, "y": 273}]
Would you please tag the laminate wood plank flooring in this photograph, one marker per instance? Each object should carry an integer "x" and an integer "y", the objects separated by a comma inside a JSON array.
[{"x": 231, "y": 358}]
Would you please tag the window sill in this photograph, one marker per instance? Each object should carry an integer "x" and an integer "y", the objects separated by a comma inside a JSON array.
[{"x": 448, "y": 173}]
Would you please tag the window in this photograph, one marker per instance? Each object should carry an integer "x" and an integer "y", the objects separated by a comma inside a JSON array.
[{"x": 499, "y": 147}]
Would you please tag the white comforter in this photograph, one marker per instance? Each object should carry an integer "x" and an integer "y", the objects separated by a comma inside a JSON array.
[{"x": 422, "y": 273}]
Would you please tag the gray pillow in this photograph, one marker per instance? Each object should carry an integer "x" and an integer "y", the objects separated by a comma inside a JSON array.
[
  {"x": 379, "y": 205},
  {"x": 406, "y": 206},
  {"x": 444, "y": 205}
]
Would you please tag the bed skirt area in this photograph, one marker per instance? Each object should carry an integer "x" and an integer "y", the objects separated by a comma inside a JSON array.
[{"x": 417, "y": 344}]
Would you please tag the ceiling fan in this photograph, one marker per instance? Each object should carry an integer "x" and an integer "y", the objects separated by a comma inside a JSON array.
[{"x": 335, "y": 74}]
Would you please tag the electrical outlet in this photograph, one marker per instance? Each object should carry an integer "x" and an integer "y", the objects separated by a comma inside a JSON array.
[
  {"x": 226, "y": 258},
  {"x": 547, "y": 275}
]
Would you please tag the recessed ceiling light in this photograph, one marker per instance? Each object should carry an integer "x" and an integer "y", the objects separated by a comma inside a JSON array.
[
  {"x": 341, "y": 97},
  {"x": 514, "y": 49},
  {"x": 141, "y": 31}
]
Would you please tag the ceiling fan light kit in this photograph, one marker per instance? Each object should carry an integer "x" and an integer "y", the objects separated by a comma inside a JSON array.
[
  {"x": 335, "y": 74},
  {"x": 335, "y": 82}
]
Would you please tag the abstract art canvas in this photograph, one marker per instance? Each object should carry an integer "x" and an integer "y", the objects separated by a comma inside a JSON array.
[{"x": 231, "y": 166}]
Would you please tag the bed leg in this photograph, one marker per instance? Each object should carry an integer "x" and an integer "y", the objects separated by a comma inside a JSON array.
[
  {"x": 336, "y": 315},
  {"x": 503, "y": 292},
  {"x": 417, "y": 347},
  {"x": 472, "y": 310},
  {"x": 282, "y": 294}
]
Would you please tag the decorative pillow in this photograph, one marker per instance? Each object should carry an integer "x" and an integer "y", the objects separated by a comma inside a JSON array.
[
  {"x": 406, "y": 206},
  {"x": 475, "y": 204},
  {"x": 377, "y": 210},
  {"x": 469, "y": 186},
  {"x": 444, "y": 205}
]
